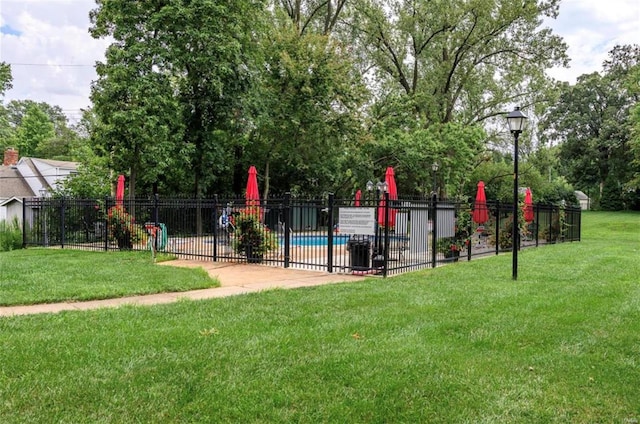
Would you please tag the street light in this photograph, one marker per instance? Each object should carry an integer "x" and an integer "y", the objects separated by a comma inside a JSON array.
[
  {"x": 369, "y": 186},
  {"x": 434, "y": 167},
  {"x": 516, "y": 121},
  {"x": 381, "y": 187}
]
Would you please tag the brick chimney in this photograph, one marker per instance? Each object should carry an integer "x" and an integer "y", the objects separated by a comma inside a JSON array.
[{"x": 10, "y": 157}]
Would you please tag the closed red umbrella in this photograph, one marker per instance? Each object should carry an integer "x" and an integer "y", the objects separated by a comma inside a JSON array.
[
  {"x": 120, "y": 190},
  {"x": 390, "y": 179},
  {"x": 528, "y": 205},
  {"x": 480, "y": 211},
  {"x": 356, "y": 202},
  {"x": 252, "y": 196}
]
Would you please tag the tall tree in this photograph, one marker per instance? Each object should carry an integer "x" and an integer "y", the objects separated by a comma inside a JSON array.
[
  {"x": 184, "y": 65},
  {"x": 308, "y": 109},
  {"x": 6, "y": 132},
  {"x": 312, "y": 16},
  {"x": 591, "y": 121},
  {"x": 459, "y": 59},
  {"x": 5, "y": 78},
  {"x": 58, "y": 146},
  {"x": 35, "y": 129}
]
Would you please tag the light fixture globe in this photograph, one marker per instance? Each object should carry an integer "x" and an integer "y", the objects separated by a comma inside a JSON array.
[
  {"x": 516, "y": 120},
  {"x": 382, "y": 186}
]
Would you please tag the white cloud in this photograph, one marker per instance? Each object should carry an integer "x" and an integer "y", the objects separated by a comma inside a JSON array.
[
  {"x": 591, "y": 28},
  {"x": 53, "y": 55}
]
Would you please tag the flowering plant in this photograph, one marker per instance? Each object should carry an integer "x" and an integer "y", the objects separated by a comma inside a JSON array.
[
  {"x": 251, "y": 237},
  {"x": 452, "y": 246},
  {"x": 123, "y": 228}
]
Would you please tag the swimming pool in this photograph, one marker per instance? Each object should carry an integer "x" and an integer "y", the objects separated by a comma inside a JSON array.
[{"x": 315, "y": 240}]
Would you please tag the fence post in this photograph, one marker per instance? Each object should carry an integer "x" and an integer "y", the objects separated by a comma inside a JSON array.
[
  {"x": 215, "y": 227},
  {"x": 330, "y": 234},
  {"x": 62, "y": 222},
  {"x": 469, "y": 228},
  {"x": 24, "y": 222},
  {"x": 537, "y": 226},
  {"x": 579, "y": 212},
  {"x": 385, "y": 262},
  {"x": 498, "y": 213},
  {"x": 434, "y": 226},
  {"x": 156, "y": 198},
  {"x": 106, "y": 223},
  {"x": 287, "y": 229}
]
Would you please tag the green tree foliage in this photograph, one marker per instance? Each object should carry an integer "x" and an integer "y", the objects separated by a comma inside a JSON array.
[
  {"x": 308, "y": 103},
  {"x": 633, "y": 185},
  {"x": 312, "y": 16},
  {"x": 93, "y": 177},
  {"x": 5, "y": 78},
  {"x": 454, "y": 146},
  {"x": 450, "y": 62},
  {"x": 172, "y": 83},
  {"x": 458, "y": 59},
  {"x": 592, "y": 121},
  {"x": 58, "y": 145},
  {"x": 35, "y": 130}
]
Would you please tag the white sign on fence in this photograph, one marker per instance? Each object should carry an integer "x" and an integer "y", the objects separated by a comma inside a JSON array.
[{"x": 357, "y": 221}]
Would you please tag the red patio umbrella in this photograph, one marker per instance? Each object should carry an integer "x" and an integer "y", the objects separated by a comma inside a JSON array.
[
  {"x": 252, "y": 195},
  {"x": 356, "y": 202},
  {"x": 480, "y": 211},
  {"x": 390, "y": 179},
  {"x": 120, "y": 190},
  {"x": 528, "y": 205}
]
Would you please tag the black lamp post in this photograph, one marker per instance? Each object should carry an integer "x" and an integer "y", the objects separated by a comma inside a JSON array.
[
  {"x": 381, "y": 187},
  {"x": 516, "y": 121},
  {"x": 434, "y": 167}
]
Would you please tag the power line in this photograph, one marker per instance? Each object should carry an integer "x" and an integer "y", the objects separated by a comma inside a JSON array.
[{"x": 63, "y": 65}]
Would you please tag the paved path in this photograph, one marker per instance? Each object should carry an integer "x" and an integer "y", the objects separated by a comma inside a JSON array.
[{"x": 234, "y": 279}]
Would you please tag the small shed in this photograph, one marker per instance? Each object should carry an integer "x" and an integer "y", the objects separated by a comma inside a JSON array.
[
  {"x": 10, "y": 209},
  {"x": 583, "y": 199}
]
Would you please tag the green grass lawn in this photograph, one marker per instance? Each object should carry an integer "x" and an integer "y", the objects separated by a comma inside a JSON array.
[
  {"x": 52, "y": 275},
  {"x": 458, "y": 344}
]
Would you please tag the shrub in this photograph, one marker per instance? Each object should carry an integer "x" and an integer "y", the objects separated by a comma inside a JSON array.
[
  {"x": 123, "y": 228},
  {"x": 251, "y": 237},
  {"x": 10, "y": 235}
]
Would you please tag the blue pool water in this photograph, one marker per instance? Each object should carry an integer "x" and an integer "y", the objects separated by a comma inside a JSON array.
[{"x": 297, "y": 240}]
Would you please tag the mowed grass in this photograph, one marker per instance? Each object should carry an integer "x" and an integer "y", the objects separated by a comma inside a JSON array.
[
  {"x": 54, "y": 275},
  {"x": 459, "y": 344}
]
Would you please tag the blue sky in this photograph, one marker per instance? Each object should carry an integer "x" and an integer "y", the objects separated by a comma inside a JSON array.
[{"x": 52, "y": 54}]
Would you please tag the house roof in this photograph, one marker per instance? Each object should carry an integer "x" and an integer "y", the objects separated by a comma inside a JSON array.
[
  {"x": 10, "y": 200},
  {"x": 12, "y": 184},
  {"x": 31, "y": 175},
  {"x": 580, "y": 195}
]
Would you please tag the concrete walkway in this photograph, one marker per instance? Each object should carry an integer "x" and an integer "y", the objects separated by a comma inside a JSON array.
[{"x": 234, "y": 279}]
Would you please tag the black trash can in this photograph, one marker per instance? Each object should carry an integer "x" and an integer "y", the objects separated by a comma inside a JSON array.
[{"x": 359, "y": 247}]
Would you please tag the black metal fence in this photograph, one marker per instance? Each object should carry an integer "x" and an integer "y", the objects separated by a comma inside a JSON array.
[{"x": 294, "y": 232}]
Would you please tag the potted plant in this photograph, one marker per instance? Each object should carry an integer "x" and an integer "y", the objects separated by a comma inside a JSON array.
[
  {"x": 451, "y": 247},
  {"x": 123, "y": 228},
  {"x": 251, "y": 237}
]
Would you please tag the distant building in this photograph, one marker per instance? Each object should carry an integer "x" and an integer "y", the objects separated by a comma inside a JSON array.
[
  {"x": 28, "y": 177},
  {"x": 583, "y": 199}
]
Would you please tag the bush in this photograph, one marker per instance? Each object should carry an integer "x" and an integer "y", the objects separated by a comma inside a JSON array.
[
  {"x": 123, "y": 228},
  {"x": 251, "y": 237},
  {"x": 10, "y": 235}
]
